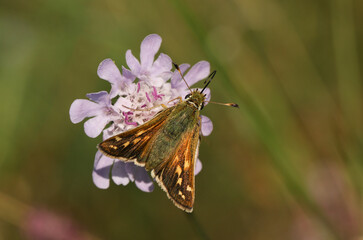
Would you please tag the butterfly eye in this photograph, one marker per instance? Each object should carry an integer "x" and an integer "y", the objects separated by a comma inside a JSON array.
[
  {"x": 202, "y": 106},
  {"x": 187, "y": 96}
]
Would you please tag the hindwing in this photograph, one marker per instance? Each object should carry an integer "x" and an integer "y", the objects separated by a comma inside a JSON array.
[{"x": 176, "y": 174}]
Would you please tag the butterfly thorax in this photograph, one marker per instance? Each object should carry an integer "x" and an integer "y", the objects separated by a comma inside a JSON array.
[{"x": 195, "y": 99}]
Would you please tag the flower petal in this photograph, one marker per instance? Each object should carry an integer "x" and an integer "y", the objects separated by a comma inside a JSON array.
[
  {"x": 143, "y": 180},
  {"x": 199, "y": 71},
  {"x": 100, "y": 97},
  {"x": 130, "y": 170},
  {"x": 161, "y": 64},
  {"x": 101, "y": 171},
  {"x": 129, "y": 77},
  {"x": 198, "y": 167},
  {"x": 155, "y": 81},
  {"x": 133, "y": 63},
  {"x": 140, "y": 176},
  {"x": 165, "y": 75},
  {"x": 119, "y": 174},
  {"x": 108, "y": 70},
  {"x": 82, "y": 108},
  {"x": 149, "y": 47},
  {"x": 207, "y": 125},
  {"x": 94, "y": 126}
]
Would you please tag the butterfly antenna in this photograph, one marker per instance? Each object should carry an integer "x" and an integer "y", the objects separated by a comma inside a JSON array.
[
  {"x": 208, "y": 80},
  {"x": 177, "y": 68},
  {"x": 225, "y": 104}
]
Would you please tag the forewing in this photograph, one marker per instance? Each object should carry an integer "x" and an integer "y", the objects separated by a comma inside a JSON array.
[
  {"x": 176, "y": 174},
  {"x": 133, "y": 145}
]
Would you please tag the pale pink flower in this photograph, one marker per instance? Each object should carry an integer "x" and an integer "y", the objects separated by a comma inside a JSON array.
[{"x": 147, "y": 84}]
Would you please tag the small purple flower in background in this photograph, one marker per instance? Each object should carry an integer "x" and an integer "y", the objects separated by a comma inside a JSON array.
[
  {"x": 333, "y": 193},
  {"x": 146, "y": 85},
  {"x": 42, "y": 224}
]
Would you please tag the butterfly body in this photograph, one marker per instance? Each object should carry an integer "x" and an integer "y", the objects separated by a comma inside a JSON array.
[
  {"x": 179, "y": 123},
  {"x": 167, "y": 145}
]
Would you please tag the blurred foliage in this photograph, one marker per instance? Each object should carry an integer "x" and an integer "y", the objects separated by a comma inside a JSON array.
[{"x": 287, "y": 165}]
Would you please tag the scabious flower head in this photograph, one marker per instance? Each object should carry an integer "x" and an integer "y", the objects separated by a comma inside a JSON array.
[{"x": 147, "y": 84}]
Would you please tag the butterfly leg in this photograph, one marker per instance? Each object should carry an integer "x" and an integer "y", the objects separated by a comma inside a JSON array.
[{"x": 180, "y": 99}]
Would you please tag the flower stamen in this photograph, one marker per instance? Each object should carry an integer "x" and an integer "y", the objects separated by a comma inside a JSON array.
[
  {"x": 147, "y": 96},
  {"x": 156, "y": 95},
  {"x": 126, "y": 115}
]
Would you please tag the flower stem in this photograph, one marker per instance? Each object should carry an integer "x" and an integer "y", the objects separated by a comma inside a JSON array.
[{"x": 197, "y": 227}]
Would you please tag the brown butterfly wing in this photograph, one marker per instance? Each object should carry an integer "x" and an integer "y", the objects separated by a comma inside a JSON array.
[
  {"x": 133, "y": 145},
  {"x": 176, "y": 174}
]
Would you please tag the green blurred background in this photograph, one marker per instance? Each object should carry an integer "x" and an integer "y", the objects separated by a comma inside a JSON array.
[{"x": 287, "y": 165}]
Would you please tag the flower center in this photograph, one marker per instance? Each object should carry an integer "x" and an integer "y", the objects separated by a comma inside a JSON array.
[{"x": 144, "y": 97}]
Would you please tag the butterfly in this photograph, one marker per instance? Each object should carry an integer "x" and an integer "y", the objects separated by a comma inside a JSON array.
[{"x": 167, "y": 145}]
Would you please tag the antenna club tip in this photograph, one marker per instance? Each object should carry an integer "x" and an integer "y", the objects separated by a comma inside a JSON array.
[
  {"x": 176, "y": 65},
  {"x": 233, "y": 105}
]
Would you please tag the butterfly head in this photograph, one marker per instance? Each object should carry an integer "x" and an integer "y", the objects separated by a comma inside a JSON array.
[{"x": 196, "y": 99}]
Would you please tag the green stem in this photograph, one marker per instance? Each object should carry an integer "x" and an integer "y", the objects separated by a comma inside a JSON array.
[{"x": 197, "y": 227}]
